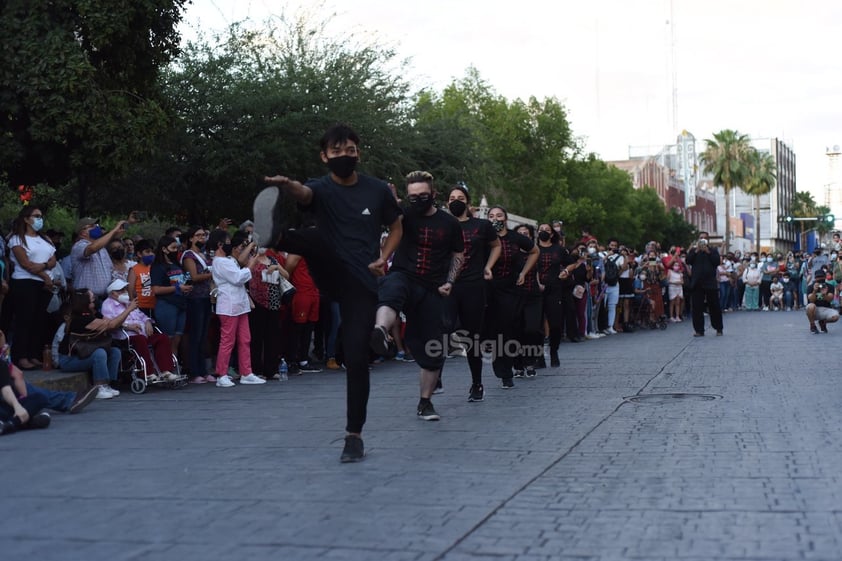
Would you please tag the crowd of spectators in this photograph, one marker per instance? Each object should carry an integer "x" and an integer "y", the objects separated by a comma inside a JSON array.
[{"x": 209, "y": 305}]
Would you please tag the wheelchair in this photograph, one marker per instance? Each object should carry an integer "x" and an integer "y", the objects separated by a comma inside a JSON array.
[{"x": 142, "y": 375}]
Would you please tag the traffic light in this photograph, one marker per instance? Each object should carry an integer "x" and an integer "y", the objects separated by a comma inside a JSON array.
[{"x": 829, "y": 219}]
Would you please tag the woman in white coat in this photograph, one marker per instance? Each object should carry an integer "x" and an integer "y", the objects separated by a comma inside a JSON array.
[{"x": 233, "y": 256}]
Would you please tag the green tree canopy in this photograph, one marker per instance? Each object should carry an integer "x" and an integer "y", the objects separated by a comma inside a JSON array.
[{"x": 78, "y": 92}]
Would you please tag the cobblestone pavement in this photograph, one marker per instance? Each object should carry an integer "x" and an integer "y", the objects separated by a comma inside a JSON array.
[{"x": 559, "y": 468}]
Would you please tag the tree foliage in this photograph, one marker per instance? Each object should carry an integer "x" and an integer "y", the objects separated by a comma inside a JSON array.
[
  {"x": 78, "y": 93},
  {"x": 726, "y": 157},
  {"x": 190, "y": 137}
]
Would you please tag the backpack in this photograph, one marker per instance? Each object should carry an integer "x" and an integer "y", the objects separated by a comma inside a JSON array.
[{"x": 612, "y": 271}]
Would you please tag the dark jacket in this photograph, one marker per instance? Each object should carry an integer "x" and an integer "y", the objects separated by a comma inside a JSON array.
[{"x": 703, "y": 268}]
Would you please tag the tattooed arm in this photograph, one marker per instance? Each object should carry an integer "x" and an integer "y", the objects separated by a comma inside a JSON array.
[{"x": 456, "y": 262}]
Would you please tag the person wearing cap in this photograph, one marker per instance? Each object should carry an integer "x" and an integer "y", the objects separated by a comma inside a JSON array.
[
  {"x": 819, "y": 299},
  {"x": 90, "y": 260},
  {"x": 141, "y": 333}
]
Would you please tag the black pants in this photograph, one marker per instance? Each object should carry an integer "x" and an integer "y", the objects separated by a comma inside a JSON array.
[
  {"x": 34, "y": 403},
  {"x": 502, "y": 313},
  {"x": 530, "y": 330},
  {"x": 711, "y": 297},
  {"x": 265, "y": 327},
  {"x": 466, "y": 306},
  {"x": 765, "y": 293},
  {"x": 357, "y": 305},
  {"x": 30, "y": 302},
  {"x": 568, "y": 309},
  {"x": 554, "y": 313},
  {"x": 427, "y": 320}
]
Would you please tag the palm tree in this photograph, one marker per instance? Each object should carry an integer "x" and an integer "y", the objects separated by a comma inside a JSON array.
[
  {"x": 760, "y": 180},
  {"x": 803, "y": 205},
  {"x": 725, "y": 158}
]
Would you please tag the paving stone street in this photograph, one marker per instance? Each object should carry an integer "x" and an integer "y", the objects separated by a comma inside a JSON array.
[{"x": 561, "y": 467}]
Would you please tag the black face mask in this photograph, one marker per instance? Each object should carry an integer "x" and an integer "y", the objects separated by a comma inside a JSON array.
[
  {"x": 544, "y": 236},
  {"x": 420, "y": 204},
  {"x": 118, "y": 254},
  {"x": 343, "y": 166},
  {"x": 200, "y": 245},
  {"x": 457, "y": 208}
]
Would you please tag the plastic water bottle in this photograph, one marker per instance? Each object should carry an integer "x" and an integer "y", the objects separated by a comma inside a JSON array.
[{"x": 283, "y": 370}]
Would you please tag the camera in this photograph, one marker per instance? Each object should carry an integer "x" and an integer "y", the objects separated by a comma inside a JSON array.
[{"x": 703, "y": 241}]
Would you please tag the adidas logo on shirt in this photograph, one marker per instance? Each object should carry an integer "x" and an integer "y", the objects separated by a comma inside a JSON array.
[{"x": 366, "y": 212}]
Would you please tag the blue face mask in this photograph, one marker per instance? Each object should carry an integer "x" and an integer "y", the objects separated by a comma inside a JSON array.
[
  {"x": 96, "y": 232},
  {"x": 148, "y": 259},
  {"x": 37, "y": 224}
]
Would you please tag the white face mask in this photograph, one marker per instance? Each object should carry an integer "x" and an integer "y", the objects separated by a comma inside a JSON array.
[{"x": 124, "y": 299}]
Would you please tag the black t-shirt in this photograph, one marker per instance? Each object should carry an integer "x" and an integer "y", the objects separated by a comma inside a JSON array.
[
  {"x": 79, "y": 326},
  {"x": 549, "y": 265},
  {"x": 508, "y": 266},
  {"x": 5, "y": 377},
  {"x": 427, "y": 245},
  {"x": 477, "y": 234},
  {"x": 351, "y": 217},
  {"x": 168, "y": 274},
  {"x": 530, "y": 281},
  {"x": 825, "y": 300}
]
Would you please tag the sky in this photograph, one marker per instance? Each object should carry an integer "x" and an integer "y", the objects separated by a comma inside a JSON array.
[{"x": 767, "y": 68}]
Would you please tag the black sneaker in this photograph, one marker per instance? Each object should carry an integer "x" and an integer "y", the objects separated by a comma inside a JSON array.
[
  {"x": 439, "y": 387},
  {"x": 814, "y": 329},
  {"x": 381, "y": 344},
  {"x": 530, "y": 372},
  {"x": 427, "y": 412},
  {"x": 83, "y": 399},
  {"x": 477, "y": 393},
  {"x": 507, "y": 383},
  {"x": 353, "y": 451},
  {"x": 39, "y": 420},
  {"x": 267, "y": 211},
  {"x": 541, "y": 363},
  {"x": 519, "y": 374},
  {"x": 7, "y": 427},
  {"x": 823, "y": 326},
  {"x": 307, "y": 366},
  {"x": 554, "y": 362}
]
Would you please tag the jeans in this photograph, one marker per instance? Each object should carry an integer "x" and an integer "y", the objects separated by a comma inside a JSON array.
[
  {"x": 612, "y": 297},
  {"x": 171, "y": 319},
  {"x": 724, "y": 294},
  {"x": 57, "y": 401},
  {"x": 103, "y": 365},
  {"x": 198, "y": 316}
]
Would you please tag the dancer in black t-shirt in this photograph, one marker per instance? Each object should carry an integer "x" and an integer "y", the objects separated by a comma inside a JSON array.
[
  {"x": 424, "y": 269},
  {"x": 504, "y": 298},
  {"x": 343, "y": 252},
  {"x": 466, "y": 304}
]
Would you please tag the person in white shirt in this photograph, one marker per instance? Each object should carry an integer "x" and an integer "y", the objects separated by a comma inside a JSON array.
[
  {"x": 31, "y": 286},
  {"x": 233, "y": 258}
]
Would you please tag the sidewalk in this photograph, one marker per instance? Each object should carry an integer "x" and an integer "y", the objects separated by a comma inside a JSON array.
[{"x": 560, "y": 467}]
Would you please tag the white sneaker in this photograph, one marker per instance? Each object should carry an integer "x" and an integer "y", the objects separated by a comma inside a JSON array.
[
  {"x": 224, "y": 382},
  {"x": 169, "y": 376},
  {"x": 251, "y": 379},
  {"x": 591, "y": 336},
  {"x": 103, "y": 393},
  {"x": 610, "y": 331},
  {"x": 114, "y": 393}
]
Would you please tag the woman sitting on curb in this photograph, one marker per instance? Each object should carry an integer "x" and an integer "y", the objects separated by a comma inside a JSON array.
[{"x": 82, "y": 317}]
